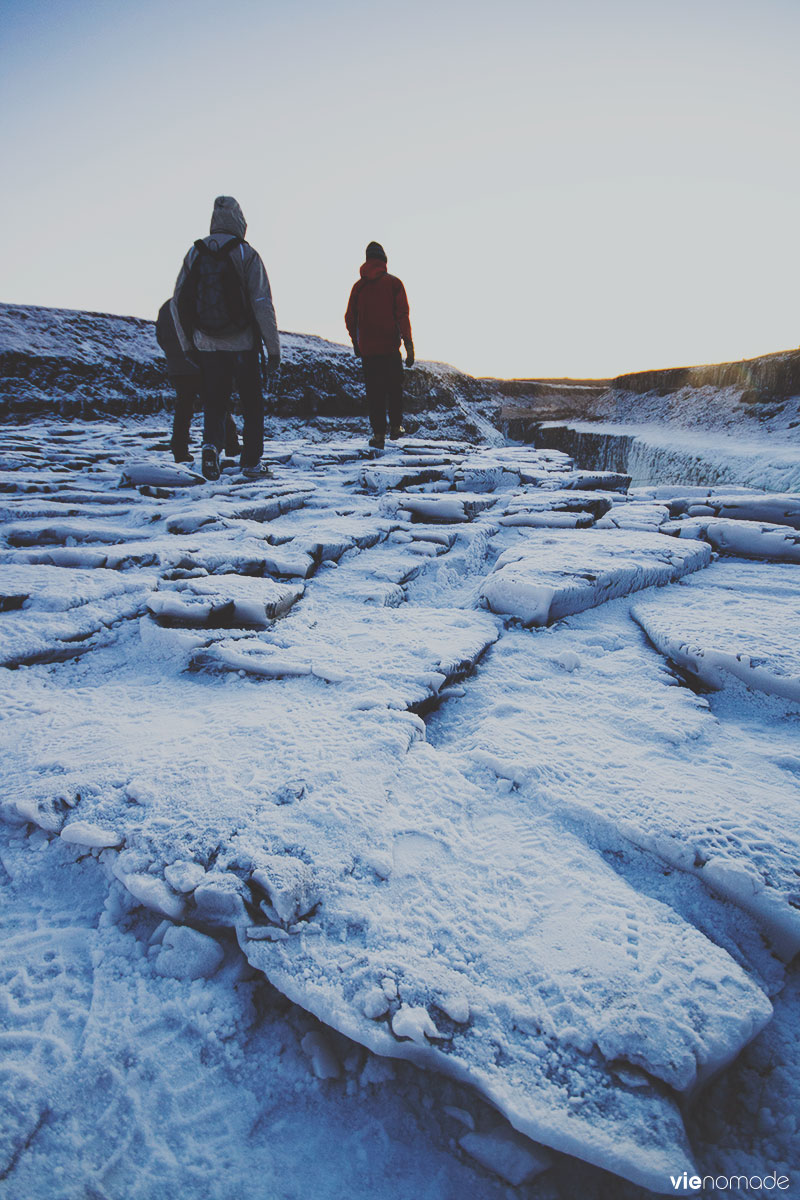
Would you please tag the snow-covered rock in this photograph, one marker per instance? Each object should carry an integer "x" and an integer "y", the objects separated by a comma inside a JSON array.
[
  {"x": 731, "y": 624},
  {"x": 745, "y": 538},
  {"x": 549, "y": 576}
]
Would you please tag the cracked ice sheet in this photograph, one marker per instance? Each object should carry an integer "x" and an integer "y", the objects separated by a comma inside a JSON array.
[
  {"x": 585, "y": 719},
  {"x": 736, "y": 621},
  {"x": 356, "y": 820},
  {"x": 468, "y": 902},
  {"x": 549, "y": 575}
]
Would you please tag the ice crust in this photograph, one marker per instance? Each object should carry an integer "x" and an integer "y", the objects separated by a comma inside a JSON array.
[{"x": 243, "y": 752}]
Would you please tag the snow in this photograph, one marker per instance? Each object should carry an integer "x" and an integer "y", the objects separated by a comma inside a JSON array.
[{"x": 355, "y": 809}]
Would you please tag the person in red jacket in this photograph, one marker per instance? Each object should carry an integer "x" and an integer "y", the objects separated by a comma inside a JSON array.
[{"x": 377, "y": 321}]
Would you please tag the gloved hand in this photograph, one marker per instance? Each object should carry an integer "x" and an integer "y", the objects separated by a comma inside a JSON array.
[
  {"x": 409, "y": 353},
  {"x": 273, "y": 362},
  {"x": 356, "y": 350}
]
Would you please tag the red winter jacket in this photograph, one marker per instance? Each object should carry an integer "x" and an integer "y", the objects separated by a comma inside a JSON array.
[{"x": 377, "y": 313}]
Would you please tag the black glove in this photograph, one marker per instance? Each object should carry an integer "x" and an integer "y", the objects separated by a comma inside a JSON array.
[
  {"x": 409, "y": 353},
  {"x": 356, "y": 350},
  {"x": 273, "y": 362}
]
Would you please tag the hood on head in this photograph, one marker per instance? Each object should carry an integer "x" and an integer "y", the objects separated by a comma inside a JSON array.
[
  {"x": 227, "y": 217},
  {"x": 373, "y": 268}
]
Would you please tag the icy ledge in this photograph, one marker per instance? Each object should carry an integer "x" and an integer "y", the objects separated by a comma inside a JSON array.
[{"x": 554, "y": 574}]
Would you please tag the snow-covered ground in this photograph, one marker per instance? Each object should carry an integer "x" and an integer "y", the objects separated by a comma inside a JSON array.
[{"x": 413, "y": 825}]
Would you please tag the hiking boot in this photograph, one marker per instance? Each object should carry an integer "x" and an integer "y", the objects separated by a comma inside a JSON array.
[
  {"x": 376, "y": 442},
  {"x": 181, "y": 454},
  {"x": 397, "y": 431},
  {"x": 210, "y": 462},
  {"x": 259, "y": 471}
]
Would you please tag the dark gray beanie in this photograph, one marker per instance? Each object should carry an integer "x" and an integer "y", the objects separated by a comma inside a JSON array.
[{"x": 376, "y": 250}]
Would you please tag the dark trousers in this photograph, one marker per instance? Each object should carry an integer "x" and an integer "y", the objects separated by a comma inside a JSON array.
[
  {"x": 219, "y": 370},
  {"x": 187, "y": 396},
  {"x": 383, "y": 380},
  {"x": 187, "y": 393}
]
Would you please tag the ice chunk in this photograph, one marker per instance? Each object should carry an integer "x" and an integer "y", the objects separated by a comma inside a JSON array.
[
  {"x": 456, "y": 1008},
  {"x": 187, "y": 954},
  {"x": 159, "y": 475},
  {"x": 375, "y": 1004},
  {"x": 324, "y": 1060},
  {"x": 184, "y": 876},
  {"x": 414, "y": 1023},
  {"x": 504, "y": 1152},
  {"x": 219, "y": 899},
  {"x": 84, "y": 833},
  {"x": 153, "y": 893},
  {"x": 289, "y": 883}
]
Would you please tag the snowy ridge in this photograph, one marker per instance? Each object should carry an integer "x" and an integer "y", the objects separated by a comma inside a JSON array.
[
  {"x": 67, "y": 363},
  {"x": 306, "y": 712}
]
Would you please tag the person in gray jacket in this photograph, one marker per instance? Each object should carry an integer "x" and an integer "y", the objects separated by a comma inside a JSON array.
[
  {"x": 185, "y": 376},
  {"x": 222, "y": 309}
]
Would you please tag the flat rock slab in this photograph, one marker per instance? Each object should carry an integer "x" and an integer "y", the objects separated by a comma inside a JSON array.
[
  {"x": 386, "y": 656},
  {"x": 635, "y": 514},
  {"x": 244, "y": 600},
  {"x": 441, "y": 508},
  {"x": 724, "y": 627},
  {"x": 55, "y": 589},
  {"x": 53, "y": 612},
  {"x": 781, "y": 508},
  {"x": 62, "y": 532},
  {"x": 554, "y": 574},
  {"x": 747, "y": 539},
  {"x": 541, "y": 500}
]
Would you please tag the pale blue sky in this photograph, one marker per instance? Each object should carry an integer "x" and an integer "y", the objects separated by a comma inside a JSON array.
[{"x": 566, "y": 188}]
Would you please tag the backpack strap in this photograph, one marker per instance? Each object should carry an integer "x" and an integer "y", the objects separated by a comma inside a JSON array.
[{"x": 202, "y": 248}]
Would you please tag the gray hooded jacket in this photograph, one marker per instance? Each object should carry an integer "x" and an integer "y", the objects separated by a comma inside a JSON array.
[{"x": 227, "y": 222}]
